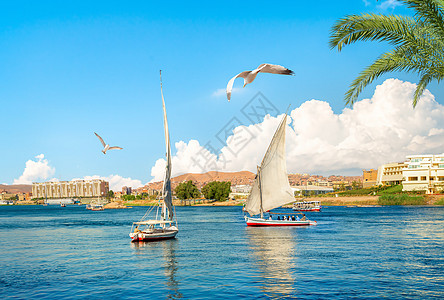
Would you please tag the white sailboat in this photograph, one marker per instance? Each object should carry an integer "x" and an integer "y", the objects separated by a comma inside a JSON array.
[
  {"x": 271, "y": 188},
  {"x": 164, "y": 225}
]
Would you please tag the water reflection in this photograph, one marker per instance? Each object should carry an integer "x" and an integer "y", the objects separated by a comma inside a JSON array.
[
  {"x": 170, "y": 265},
  {"x": 273, "y": 250}
]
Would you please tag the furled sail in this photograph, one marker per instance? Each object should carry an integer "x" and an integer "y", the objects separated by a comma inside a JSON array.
[
  {"x": 271, "y": 188},
  {"x": 167, "y": 195}
]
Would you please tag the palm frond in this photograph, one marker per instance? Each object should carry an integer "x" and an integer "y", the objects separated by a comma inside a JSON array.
[
  {"x": 370, "y": 27},
  {"x": 430, "y": 11},
  {"x": 418, "y": 41},
  {"x": 425, "y": 80},
  {"x": 401, "y": 59}
]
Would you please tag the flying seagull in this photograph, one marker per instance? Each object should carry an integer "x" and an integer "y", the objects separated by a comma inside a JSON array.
[
  {"x": 249, "y": 76},
  {"x": 106, "y": 146}
]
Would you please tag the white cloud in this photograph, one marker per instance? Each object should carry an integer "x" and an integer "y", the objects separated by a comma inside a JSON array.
[
  {"x": 389, "y": 4},
  {"x": 366, "y": 2},
  {"x": 116, "y": 182},
  {"x": 35, "y": 170},
  {"x": 379, "y": 130}
]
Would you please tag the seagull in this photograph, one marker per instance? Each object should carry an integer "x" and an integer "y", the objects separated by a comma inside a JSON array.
[
  {"x": 106, "y": 146},
  {"x": 249, "y": 76}
]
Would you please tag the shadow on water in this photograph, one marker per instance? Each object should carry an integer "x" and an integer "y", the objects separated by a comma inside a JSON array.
[
  {"x": 171, "y": 264},
  {"x": 273, "y": 250}
]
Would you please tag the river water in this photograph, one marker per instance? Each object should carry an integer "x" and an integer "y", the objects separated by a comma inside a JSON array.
[{"x": 52, "y": 252}]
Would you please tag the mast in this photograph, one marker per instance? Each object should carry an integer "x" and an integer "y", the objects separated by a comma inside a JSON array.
[{"x": 260, "y": 190}]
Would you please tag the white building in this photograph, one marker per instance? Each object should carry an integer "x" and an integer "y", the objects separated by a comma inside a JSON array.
[
  {"x": 241, "y": 188},
  {"x": 391, "y": 173},
  {"x": 67, "y": 189},
  {"x": 424, "y": 173}
]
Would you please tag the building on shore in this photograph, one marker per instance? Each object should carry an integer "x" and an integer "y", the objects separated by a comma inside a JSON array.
[
  {"x": 369, "y": 178},
  {"x": 4, "y": 195},
  {"x": 69, "y": 189},
  {"x": 424, "y": 173},
  {"x": 127, "y": 190},
  {"x": 241, "y": 188},
  {"x": 390, "y": 174}
]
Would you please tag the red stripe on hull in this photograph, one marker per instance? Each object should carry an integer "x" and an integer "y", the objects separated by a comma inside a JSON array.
[
  {"x": 266, "y": 225},
  {"x": 152, "y": 239}
]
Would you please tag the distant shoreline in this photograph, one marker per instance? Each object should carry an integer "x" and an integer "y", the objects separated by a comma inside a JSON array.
[{"x": 325, "y": 201}]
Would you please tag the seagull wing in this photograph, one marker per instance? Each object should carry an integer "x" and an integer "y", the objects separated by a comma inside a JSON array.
[
  {"x": 101, "y": 140},
  {"x": 231, "y": 82},
  {"x": 115, "y": 148},
  {"x": 274, "y": 69}
]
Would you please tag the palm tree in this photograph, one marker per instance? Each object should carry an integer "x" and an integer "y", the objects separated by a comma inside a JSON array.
[{"x": 418, "y": 44}]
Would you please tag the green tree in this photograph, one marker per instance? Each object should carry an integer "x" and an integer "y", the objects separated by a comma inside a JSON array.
[
  {"x": 218, "y": 190},
  {"x": 356, "y": 185},
  {"x": 187, "y": 190},
  {"x": 110, "y": 194},
  {"x": 128, "y": 197},
  {"x": 418, "y": 44}
]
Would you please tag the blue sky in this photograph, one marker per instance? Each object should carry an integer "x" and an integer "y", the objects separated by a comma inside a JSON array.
[{"x": 70, "y": 68}]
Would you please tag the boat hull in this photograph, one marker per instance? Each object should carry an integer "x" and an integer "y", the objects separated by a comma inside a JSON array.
[
  {"x": 153, "y": 236},
  {"x": 307, "y": 209},
  {"x": 258, "y": 222}
]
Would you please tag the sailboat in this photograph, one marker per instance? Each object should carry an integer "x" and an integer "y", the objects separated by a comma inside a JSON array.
[
  {"x": 271, "y": 188},
  {"x": 164, "y": 225}
]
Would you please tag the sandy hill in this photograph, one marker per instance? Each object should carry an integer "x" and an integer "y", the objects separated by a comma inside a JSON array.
[
  {"x": 242, "y": 177},
  {"x": 234, "y": 177},
  {"x": 16, "y": 188}
]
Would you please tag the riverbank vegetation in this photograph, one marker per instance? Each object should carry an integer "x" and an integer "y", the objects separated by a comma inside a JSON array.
[
  {"x": 187, "y": 190},
  {"x": 218, "y": 190},
  {"x": 402, "y": 199}
]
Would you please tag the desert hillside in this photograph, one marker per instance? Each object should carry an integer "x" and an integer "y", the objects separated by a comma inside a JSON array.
[
  {"x": 242, "y": 177},
  {"x": 16, "y": 188}
]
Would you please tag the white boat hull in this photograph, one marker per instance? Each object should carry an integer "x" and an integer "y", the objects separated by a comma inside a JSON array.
[
  {"x": 154, "y": 235},
  {"x": 265, "y": 222}
]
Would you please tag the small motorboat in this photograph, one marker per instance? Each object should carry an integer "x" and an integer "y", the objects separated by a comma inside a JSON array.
[
  {"x": 96, "y": 207},
  {"x": 307, "y": 206}
]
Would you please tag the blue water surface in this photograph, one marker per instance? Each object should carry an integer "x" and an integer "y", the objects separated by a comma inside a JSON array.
[{"x": 49, "y": 252}]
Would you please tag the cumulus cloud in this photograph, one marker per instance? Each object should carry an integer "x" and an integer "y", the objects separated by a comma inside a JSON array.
[
  {"x": 374, "y": 131},
  {"x": 389, "y": 4},
  {"x": 116, "y": 182},
  {"x": 35, "y": 170}
]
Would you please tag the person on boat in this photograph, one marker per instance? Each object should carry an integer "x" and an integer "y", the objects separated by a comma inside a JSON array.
[
  {"x": 297, "y": 218},
  {"x": 270, "y": 218},
  {"x": 279, "y": 218},
  {"x": 136, "y": 230},
  {"x": 303, "y": 218}
]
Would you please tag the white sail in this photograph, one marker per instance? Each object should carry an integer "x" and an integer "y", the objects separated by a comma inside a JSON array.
[
  {"x": 167, "y": 195},
  {"x": 271, "y": 188}
]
